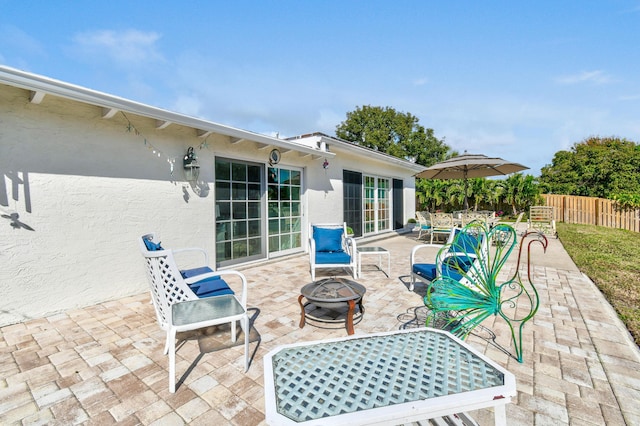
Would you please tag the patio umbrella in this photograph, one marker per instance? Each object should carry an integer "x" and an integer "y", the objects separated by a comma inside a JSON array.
[{"x": 470, "y": 166}]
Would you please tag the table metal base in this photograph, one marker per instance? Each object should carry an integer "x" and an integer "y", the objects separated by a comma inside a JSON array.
[{"x": 351, "y": 317}]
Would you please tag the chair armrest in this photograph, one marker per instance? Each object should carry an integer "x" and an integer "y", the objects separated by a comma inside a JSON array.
[
  {"x": 415, "y": 249},
  {"x": 351, "y": 245},
  {"x": 243, "y": 298},
  {"x": 194, "y": 249}
]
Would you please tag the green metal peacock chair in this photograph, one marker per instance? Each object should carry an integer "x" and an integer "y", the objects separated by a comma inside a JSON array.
[{"x": 460, "y": 305}]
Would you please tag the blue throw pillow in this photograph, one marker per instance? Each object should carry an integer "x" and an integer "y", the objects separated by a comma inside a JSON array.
[
  {"x": 151, "y": 246},
  {"x": 328, "y": 239}
]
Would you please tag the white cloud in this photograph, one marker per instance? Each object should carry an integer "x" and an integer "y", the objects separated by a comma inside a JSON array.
[
  {"x": 128, "y": 47},
  {"x": 597, "y": 77}
]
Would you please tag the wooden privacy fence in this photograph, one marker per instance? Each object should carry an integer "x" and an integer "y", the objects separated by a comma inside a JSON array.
[{"x": 592, "y": 211}]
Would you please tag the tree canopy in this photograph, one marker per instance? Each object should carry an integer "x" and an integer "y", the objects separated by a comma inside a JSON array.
[
  {"x": 394, "y": 133},
  {"x": 595, "y": 167}
]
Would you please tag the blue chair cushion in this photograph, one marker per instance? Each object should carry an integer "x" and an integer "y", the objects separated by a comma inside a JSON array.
[
  {"x": 425, "y": 270},
  {"x": 151, "y": 246},
  {"x": 452, "y": 268},
  {"x": 337, "y": 257},
  {"x": 458, "y": 262},
  {"x": 465, "y": 243},
  {"x": 188, "y": 273},
  {"x": 327, "y": 239},
  {"x": 215, "y": 286}
]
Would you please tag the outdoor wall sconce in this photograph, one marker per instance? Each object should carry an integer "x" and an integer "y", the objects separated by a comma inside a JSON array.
[
  {"x": 325, "y": 165},
  {"x": 191, "y": 166}
]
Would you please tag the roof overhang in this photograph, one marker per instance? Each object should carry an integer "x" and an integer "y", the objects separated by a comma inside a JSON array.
[
  {"x": 41, "y": 86},
  {"x": 320, "y": 139}
]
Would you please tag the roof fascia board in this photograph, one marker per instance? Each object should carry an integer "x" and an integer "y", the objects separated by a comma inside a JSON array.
[
  {"x": 366, "y": 152},
  {"x": 38, "y": 83}
]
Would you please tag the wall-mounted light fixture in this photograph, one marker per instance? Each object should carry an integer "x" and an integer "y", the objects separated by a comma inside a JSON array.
[
  {"x": 191, "y": 166},
  {"x": 325, "y": 165}
]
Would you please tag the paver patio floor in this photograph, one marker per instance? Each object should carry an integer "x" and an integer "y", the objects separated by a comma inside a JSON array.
[{"x": 104, "y": 364}]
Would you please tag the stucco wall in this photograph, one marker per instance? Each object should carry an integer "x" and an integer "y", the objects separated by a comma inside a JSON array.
[{"x": 83, "y": 188}]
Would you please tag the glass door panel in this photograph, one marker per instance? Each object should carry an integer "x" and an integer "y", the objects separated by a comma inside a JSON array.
[
  {"x": 284, "y": 207},
  {"x": 376, "y": 204},
  {"x": 238, "y": 198}
]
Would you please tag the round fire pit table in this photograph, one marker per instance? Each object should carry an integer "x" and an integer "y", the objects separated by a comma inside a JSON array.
[{"x": 330, "y": 298}]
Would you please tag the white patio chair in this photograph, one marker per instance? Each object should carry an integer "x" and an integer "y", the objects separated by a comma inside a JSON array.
[
  {"x": 470, "y": 216},
  {"x": 501, "y": 235},
  {"x": 191, "y": 299},
  {"x": 441, "y": 224},
  {"x": 330, "y": 248},
  {"x": 458, "y": 254},
  {"x": 424, "y": 222},
  {"x": 541, "y": 219}
]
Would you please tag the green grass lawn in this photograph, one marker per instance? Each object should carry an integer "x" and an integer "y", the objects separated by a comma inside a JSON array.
[{"x": 610, "y": 257}]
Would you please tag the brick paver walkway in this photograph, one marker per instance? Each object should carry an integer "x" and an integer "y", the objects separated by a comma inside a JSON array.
[{"x": 104, "y": 364}]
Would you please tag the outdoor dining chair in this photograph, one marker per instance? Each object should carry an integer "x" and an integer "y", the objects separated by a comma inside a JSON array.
[
  {"x": 501, "y": 235},
  {"x": 441, "y": 224},
  {"x": 541, "y": 219},
  {"x": 470, "y": 216},
  {"x": 192, "y": 299},
  {"x": 330, "y": 248},
  {"x": 424, "y": 223}
]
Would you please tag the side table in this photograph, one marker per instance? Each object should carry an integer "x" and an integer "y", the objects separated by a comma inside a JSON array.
[{"x": 375, "y": 251}]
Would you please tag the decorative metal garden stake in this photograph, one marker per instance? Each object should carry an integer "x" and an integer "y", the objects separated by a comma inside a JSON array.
[{"x": 464, "y": 303}]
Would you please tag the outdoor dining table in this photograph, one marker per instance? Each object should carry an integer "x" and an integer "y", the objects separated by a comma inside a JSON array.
[{"x": 384, "y": 378}]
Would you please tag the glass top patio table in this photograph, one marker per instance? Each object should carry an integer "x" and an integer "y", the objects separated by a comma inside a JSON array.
[{"x": 385, "y": 378}]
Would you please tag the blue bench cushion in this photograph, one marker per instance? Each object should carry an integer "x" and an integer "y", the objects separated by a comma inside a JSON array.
[
  {"x": 188, "y": 273},
  {"x": 211, "y": 287},
  {"x": 327, "y": 258},
  {"x": 328, "y": 239}
]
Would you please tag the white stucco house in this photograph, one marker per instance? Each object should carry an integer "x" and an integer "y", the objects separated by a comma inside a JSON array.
[{"x": 83, "y": 174}]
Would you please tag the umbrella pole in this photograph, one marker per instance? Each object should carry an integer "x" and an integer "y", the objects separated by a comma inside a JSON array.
[{"x": 466, "y": 184}]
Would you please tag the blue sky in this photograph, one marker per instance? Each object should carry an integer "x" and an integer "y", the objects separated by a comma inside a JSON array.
[{"x": 520, "y": 80}]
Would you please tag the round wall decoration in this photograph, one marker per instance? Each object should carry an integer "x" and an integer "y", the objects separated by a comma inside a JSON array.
[{"x": 274, "y": 157}]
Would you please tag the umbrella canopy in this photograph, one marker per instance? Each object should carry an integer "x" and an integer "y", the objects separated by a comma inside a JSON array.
[{"x": 470, "y": 166}]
